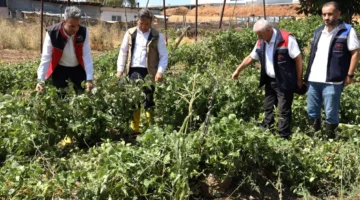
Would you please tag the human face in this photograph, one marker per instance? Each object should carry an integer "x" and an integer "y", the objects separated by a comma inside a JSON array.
[
  {"x": 71, "y": 26},
  {"x": 265, "y": 35},
  {"x": 144, "y": 24},
  {"x": 330, "y": 15}
]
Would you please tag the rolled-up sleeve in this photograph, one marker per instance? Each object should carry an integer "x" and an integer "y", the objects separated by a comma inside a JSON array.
[
  {"x": 293, "y": 47},
  {"x": 253, "y": 53},
  {"x": 353, "y": 42},
  {"x": 163, "y": 54},
  {"x": 123, "y": 53},
  {"x": 45, "y": 58}
]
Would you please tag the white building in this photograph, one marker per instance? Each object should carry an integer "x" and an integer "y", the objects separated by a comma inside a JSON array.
[
  {"x": 118, "y": 14},
  {"x": 4, "y": 11}
]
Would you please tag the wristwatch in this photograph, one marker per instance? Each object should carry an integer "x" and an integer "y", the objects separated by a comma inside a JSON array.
[{"x": 350, "y": 75}]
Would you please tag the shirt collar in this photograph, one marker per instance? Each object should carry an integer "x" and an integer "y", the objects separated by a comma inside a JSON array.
[
  {"x": 65, "y": 32},
  {"x": 273, "y": 37},
  {"x": 138, "y": 30},
  {"x": 331, "y": 32}
]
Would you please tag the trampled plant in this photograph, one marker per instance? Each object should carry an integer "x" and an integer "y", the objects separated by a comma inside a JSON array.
[{"x": 181, "y": 153}]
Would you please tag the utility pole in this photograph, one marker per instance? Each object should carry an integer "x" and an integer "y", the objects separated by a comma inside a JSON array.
[
  {"x": 264, "y": 9},
  {"x": 41, "y": 26},
  {"x": 196, "y": 21},
  {"x": 164, "y": 6},
  {"x": 222, "y": 14}
]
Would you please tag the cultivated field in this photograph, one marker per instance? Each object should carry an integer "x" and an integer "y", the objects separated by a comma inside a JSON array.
[{"x": 203, "y": 144}]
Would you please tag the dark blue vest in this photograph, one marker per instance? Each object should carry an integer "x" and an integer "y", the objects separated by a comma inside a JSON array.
[
  {"x": 284, "y": 65},
  {"x": 339, "y": 54}
]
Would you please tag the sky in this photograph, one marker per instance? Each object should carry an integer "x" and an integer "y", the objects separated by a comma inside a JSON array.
[{"x": 160, "y": 2}]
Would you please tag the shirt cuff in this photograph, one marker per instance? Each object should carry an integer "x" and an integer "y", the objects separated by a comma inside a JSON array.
[
  {"x": 353, "y": 48},
  {"x": 255, "y": 57},
  {"x": 120, "y": 69},
  {"x": 42, "y": 78},
  {"x": 89, "y": 77},
  {"x": 161, "y": 69}
]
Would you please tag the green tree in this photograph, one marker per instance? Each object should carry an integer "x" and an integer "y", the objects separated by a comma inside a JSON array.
[{"x": 313, "y": 7}]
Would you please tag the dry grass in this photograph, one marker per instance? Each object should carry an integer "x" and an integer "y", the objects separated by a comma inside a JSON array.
[
  {"x": 105, "y": 37},
  {"x": 21, "y": 35},
  {"x": 15, "y": 35},
  {"x": 25, "y": 36}
]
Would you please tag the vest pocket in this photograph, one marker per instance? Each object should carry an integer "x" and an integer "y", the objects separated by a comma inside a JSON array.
[
  {"x": 338, "y": 67},
  {"x": 286, "y": 71},
  {"x": 287, "y": 81}
]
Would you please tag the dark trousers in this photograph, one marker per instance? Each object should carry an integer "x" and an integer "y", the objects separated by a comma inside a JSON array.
[
  {"x": 274, "y": 97},
  {"x": 62, "y": 74},
  {"x": 137, "y": 73}
]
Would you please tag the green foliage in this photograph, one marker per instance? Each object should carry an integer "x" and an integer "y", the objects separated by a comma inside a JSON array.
[
  {"x": 313, "y": 7},
  {"x": 17, "y": 77},
  {"x": 229, "y": 47},
  {"x": 303, "y": 29},
  {"x": 204, "y": 125}
]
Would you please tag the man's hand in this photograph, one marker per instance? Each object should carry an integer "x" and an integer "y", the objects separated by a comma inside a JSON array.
[
  {"x": 348, "y": 81},
  {"x": 300, "y": 83},
  {"x": 235, "y": 75},
  {"x": 158, "y": 77},
  {"x": 89, "y": 86},
  {"x": 40, "y": 87},
  {"x": 119, "y": 74},
  {"x": 246, "y": 62}
]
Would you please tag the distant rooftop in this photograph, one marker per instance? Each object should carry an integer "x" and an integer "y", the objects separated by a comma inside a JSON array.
[
  {"x": 189, "y": 5},
  {"x": 72, "y": 2}
]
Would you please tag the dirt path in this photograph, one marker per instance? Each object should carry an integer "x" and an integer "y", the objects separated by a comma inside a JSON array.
[{"x": 18, "y": 56}]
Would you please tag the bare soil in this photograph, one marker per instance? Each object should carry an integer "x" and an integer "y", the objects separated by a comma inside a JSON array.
[
  {"x": 11, "y": 56},
  {"x": 240, "y": 11}
]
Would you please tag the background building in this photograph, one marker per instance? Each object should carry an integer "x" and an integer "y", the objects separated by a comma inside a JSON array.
[
  {"x": 4, "y": 12},
  {"x": 17, "y": 7}
]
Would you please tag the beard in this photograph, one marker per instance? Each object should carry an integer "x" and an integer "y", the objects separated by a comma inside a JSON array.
[{"x": 330, "y": 22}]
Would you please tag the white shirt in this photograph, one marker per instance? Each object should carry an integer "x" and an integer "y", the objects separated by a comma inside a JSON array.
[
  {"x": 319, "y": 67},
  {"x": 140, "y": 54},
  {"x": 293, "y": 49},
  {"x": 68, "y": 58}
]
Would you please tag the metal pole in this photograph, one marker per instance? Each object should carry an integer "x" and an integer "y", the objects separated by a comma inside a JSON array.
[
  {"x": 164, "y": 5},
  {"x": 138, "y": 5},
  {"x": 68, "y": 3},
  {"x": 222, "y": 14},
  {"x": 234, "y": 13},
  {"x": 264, "y": 9},
  {"x": 252, "y": 7},
  {"x": 41, "y": 26},
  {"x": 61, "y": 7},
  {"x": 196, "y": 21},
  {"x": 126, "y": 22}
]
